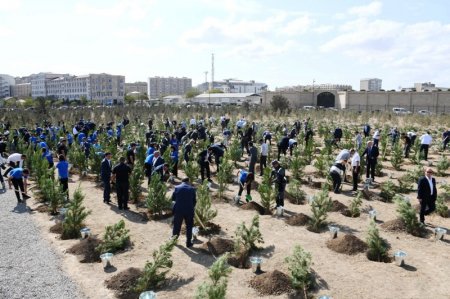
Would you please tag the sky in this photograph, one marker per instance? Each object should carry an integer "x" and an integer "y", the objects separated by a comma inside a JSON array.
[{"x": 281, "y": 43}]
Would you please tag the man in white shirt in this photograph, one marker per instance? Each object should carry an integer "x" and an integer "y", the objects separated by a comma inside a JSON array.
[
  {"x": 425, "y": 142},
  {"x": 264, "y": 150},
  {"x": 355, "y": 163},
  {"x": 376, "y": 137},
  {"x": 14, "y": 160}
]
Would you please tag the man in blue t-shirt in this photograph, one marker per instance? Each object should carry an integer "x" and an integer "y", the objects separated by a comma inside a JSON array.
[
  {"x": 63, "y": 174},
  {"x": 245, "y": 178},
  {"x": 18, "y": 178}
]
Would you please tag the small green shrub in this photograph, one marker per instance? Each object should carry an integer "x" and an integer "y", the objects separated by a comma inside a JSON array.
[
  {"x": 441, "y": 207},
  {"x": 116, "y": 238},
  {"x": 320, "y": 207},
  {"x": 408, "y": 215},
  {"x": 155, "y": 272},
  {"x": 157, "y": 201},
  {"x": 75, "y": 216},
  {"x": 204, "y": 213},
  {"x": 218, "y": 274},
  {"x": 299, "y": 265},
  {"x": 378, "y": 247},
  {"x": 355, "y": 205},
  {"x": 388, "y": 190}
]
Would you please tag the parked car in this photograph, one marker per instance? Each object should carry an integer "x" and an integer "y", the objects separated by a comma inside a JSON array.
[
  {"x": 309, "y": 108},
  {"x": 424, "y": 112},
  {"x": 400, "y": 111}
]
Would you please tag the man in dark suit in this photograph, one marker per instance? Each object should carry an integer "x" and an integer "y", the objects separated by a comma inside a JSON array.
[
  {"x": 253, "y": 157},
  {"x": 158, "y": 163},
  {"x": 204, "y": 158},
  {"x": 426, "y": 194},
  {"x": 184, "y": 197},
  {"x": 371, "y": 160},
  {"x": 105, "y": 173},
  {"x": 121, "y": 173}
]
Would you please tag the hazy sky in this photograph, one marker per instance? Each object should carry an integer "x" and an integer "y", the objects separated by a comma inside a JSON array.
[{"x": 284, "y": 42}]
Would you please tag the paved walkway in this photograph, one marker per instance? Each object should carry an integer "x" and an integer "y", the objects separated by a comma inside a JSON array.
[{"x": 29, "y": 268}]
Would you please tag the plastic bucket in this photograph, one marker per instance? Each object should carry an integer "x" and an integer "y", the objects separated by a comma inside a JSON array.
[
  {"x": 147, "y": 295},
  {"x": 333, "y": 231},
  {"x": 85, "y": 232},
  {"x": 399, "y": 257},
  {"x": 439, "y": 233},
  {"x": 256, "y": 262},
  {"x": 106, "y": 259}
]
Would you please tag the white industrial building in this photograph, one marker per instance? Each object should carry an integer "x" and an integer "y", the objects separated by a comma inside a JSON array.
[
  {"x": 222, "y": 99},
  {"x": 370, "y": 84},
  {"x": 233, "y": 86}
]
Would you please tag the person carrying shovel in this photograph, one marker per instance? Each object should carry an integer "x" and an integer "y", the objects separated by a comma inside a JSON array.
[{"x": 245, "y": 179}]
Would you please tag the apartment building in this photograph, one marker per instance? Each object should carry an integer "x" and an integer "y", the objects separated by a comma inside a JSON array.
[
  {"x": 159, "y": 87},
  {"x": 370, "y": 84},
  {"x": 100, "y": 88},
  {"x": 6, "y": 81}
]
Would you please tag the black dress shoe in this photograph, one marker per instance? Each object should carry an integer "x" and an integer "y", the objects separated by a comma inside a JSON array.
[
  {"x": 120, "y": 208},
  {"x": 189, "y": 245},
  {"x": 126, "y": 208}
]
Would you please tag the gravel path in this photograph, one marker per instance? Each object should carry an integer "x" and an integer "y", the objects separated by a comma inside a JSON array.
[{"x": 29, "y": 268}]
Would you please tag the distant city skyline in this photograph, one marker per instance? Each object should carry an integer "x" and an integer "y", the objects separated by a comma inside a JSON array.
[{"x": 280, "y": 43}]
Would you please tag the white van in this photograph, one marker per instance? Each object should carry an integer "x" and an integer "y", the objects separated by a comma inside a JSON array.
[{"x": 399, "y": 110}]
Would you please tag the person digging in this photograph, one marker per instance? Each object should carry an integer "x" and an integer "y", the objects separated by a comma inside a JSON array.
[{"x": 245, "y": 178}]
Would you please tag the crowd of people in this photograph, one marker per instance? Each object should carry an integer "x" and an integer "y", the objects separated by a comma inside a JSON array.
[{"x": 54, "y": 142}]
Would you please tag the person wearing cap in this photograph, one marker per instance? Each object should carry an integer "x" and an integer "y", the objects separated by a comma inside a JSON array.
[
  {"x": 62, "y": 147},
  {"x": 105, "y": 174},
  {"x": 18, "y": 178},
  {"x": 426, "y": 194},
  {"x": 278, "y": 176},
  {"x": 184, "y": 198}
]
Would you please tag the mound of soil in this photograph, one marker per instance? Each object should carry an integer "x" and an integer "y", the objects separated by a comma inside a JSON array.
[
  {"x": 43, "y": 209},
  {"x": 218, "y": 246},
  {"x": 347, "y": 213},
  {"x": 398, "y": 225},
  {"x": 164, "y": 215},
  {"x": 298, "y": 220},
  {"x": 294, "y": 200},
  {"x": 315, "y": 185},
  {"x": 394, "y": 225},
  {"x": 86, "y": 250},
  {"x": 271, "y": 283},
  {"x": 211, "y": 229},
  {"x": 253, "y": 206},
  {"x": 239, "y": 262},
  {"x": 338, "y": 206},
  {"x": 57, "y": 228},
  {"x": 123, "y": 281},
  {"x": 369, "y": 195},
  {"x": 347, "y": 244}
]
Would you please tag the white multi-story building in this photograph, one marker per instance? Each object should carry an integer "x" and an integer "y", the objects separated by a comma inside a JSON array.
[
  {"x": 159, "y": 87},
  {"x": 101, "y": 88},
  {"x": 316, "y": 87},
  {"x": 234, "y": 86},
  {"x": 370, "y": 84},
  {"x": 39, "y": 83},
  {"x": 6, "y": 81}
]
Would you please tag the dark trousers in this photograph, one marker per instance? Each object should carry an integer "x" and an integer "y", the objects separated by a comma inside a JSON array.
[
  {"x": 424, "y": 148},
  {"x": 281, "y": 150},
  {"x": 370, "y": 168},
  {"x": 355, "y": 175},
  {"x": 106, "y": 190},
  {"x": 406, "y": 150},
  {"x": 336, "y": 181},
  {"x": 122, "y": 194},
  {"x": 375, "y": 142},
  {"x": 18, "y": 187},
  {"x": 280, "y": 198},
  {"x": 251, "y": 167},
  {"x": 65, "y": 185},
  {"x": 262, "y": 164},
  {"x": 248, "y": 187},
  {"x": 204, "y": 168},
  {"x": 175, "y": 168},
  {"x": 178, "y": 221},
  {"x": 445, "y": 142},
  {"x": 426, "y": 207}
]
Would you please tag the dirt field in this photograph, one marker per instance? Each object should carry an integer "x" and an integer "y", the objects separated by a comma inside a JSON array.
[{"x": 339, "y": 275}]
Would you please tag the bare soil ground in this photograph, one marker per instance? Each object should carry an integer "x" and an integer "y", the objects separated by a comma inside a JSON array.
[{"x": 342, "y": 276}]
